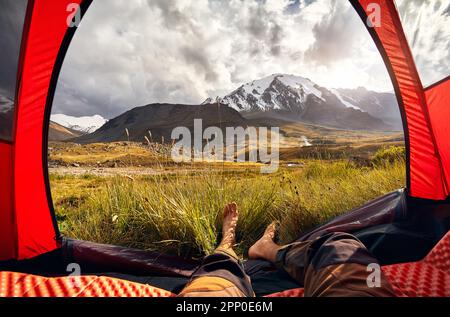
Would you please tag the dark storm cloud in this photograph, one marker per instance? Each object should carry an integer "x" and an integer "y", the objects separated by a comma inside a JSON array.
[
  {"x": 173, "y": 17},
  {"x": 12, "y": 13},
  {"x": 265, "y": 32},
  {"x": 333, "y": 36},
  {"x": 77, "y": 101},
  {"x": 257, "y": 23},
  {"x": 160, "y": 90},
  {"x": 196, "y": 57},
  {"x": 275, "y": 39}
]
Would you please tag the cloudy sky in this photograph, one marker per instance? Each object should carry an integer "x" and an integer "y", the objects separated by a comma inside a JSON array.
[{"x": 132, "y": 53}]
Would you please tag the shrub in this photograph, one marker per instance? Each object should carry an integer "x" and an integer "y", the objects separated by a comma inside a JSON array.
[{"x": 389, "y": 155}]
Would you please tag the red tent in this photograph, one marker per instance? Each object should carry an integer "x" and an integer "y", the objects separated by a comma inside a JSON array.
[{"x": 28, "y": 227}]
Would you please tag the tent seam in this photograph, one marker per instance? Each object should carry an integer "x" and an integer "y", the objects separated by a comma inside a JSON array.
[{"x": 419, "y": 86}]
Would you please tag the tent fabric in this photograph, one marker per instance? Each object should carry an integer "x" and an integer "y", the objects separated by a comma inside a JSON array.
[
  {"x": 108, "y": 258},
  {"x": 382, "y": 210},
  {"x": 394, "y": 227},
  {"x": 7, "y": 232},
  {"x": 438, "y": 100},
  {"x": 426, "y": 170},
  {"x": 47, "y": 28},
  {"x": 26, "y": 285},
  {"x": 27, "y": 209},
  {"x": 427, "y": 278}
]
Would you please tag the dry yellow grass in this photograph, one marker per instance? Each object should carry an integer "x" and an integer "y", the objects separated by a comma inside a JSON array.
[{"x": 180, "y": 212}]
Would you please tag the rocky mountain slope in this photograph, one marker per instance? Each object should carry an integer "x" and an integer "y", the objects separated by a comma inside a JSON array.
[
  {"x": 297, "y": 98},
  {"x": 156, "y": 121}
]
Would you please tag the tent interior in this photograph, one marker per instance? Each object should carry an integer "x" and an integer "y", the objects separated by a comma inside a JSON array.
[{"x": 400, "y": 229}]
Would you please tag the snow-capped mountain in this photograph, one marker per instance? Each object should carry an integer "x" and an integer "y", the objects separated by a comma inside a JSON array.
[
  {"x": 300, "y": 99},
  {"x": 82, "y": 124},
  {"x": 160, "y": 120},
  {"x": 57, "y": 132},
  {"x": 379, "y": 105},
  {"x": 345, "y": 100},
  {"x": 275, "y": 92}
]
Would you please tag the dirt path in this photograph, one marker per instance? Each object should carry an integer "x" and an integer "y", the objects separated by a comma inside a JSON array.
[
  {"x": 142, "y": 171},
  {"x": 106, "y": 171}
]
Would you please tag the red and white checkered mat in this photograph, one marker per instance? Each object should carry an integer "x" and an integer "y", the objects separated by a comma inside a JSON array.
[
  {"x": 427, "y": 278},
  {"x": 439, "y": 257},
  {"x": 418, "y": 280},
  {"x": 25, "y": 285}
]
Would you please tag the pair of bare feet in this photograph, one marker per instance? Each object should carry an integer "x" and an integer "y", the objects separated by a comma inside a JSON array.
[{"x": 265, "y": 248}]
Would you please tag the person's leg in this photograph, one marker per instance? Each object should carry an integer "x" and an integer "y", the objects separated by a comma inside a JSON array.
[
  {"x": 335, "y": 264},
  {"x": 221, "y": 274}
]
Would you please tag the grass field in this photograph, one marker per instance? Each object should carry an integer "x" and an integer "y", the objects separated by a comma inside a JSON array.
[{"x": 177, "y": 209}]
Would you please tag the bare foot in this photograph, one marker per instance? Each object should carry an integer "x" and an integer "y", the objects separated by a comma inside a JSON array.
[
  {"x": 230, "y": 218},
  {"x": 265, "y": 248}
]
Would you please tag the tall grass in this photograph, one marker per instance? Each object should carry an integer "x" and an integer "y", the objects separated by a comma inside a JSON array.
[{"x": 181, "y": 214}]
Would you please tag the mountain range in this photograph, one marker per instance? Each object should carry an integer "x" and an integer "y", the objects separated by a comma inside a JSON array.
[
  {"x": 267, "y": 101},
  {"x": 156, "y": 122},
  {"x": 59, "y": 132},
  {"x": 379, "y": 105},
  {"x": 82, "y": 124},
  {"x": 61, "y": 127},
  {"x": 296, "y": 98}
]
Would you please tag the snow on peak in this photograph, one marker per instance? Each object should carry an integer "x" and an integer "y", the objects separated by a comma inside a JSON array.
[
  {"x": 297, "y": 82},
  {"x": 344, "y": 102},
  {"x": 276, "y": 91},
  {"x": 259, "y": 86},
  {"x": 83, "y": 124}
]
